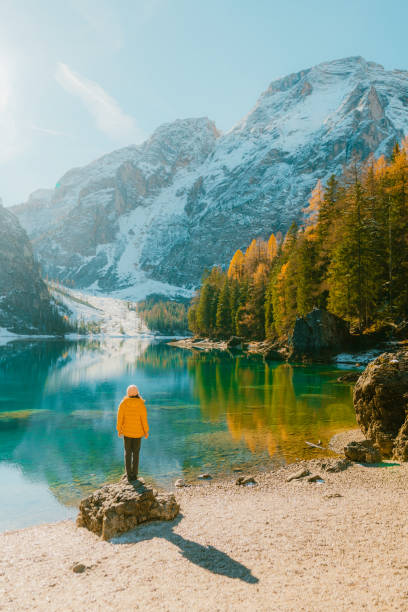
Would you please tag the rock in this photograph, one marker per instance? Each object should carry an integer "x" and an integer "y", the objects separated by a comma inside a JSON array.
[
  {"x": 315, "y": 478},
  {"x": 319, "y": 334},
  {"x": 237, "y": 469},
  {"x": 363, "y": 452},
  {"x": 235, "y": 343},
  {"x": 205, "y": 476},
  {"x": 400, "y": 450},
  {"x": 245, "y": 480},
  {"x": 275, "y": 354},
  {"x": 180, "y": 483},
  {"x": 337, "y": 466},
  {"x": 116, "y": 508},
  {"x": 349, "y": 377},
  {"x": 78, "y": 568},
  {"x": 401, "y": 331},
  {"x": 332, "y": 495},
  {"x": 381, "y": 402},
  {"x": 297, "y": 475}
]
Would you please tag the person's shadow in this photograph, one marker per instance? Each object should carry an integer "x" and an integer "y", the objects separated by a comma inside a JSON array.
[{"x": 208, "y": 557}]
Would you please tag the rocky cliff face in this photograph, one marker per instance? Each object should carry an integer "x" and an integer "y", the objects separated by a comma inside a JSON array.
[
  {"x": 25, "y": 304},
  {"x": 155, "y": 215}
]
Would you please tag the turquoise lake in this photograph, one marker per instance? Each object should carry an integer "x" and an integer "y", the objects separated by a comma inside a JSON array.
[{"x": 207, "y": 412}]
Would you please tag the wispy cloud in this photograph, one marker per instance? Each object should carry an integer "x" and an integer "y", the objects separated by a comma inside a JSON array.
[
  {"x": 108, "y": 115},
  {"x": 47, "y": 131}
]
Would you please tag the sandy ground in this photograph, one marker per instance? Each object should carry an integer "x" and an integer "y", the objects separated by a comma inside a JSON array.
[{"x": 273, "y": 546}]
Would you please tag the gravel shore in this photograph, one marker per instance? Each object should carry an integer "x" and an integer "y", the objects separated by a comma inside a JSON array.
[{"x": 277, "y": 545}]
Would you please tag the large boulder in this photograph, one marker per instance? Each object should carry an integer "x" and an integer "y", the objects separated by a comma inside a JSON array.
[
  {"x": 119, "y": 507},
  {"x": 381, "y": 403},
  {"x": 318, "y": 335}
]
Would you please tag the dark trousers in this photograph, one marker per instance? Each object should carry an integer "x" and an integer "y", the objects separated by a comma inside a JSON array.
[{"x": 132, "y": 450}]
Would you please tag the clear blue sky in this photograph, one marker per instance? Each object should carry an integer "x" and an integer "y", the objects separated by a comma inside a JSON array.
[{"x": 79, "y": 78}]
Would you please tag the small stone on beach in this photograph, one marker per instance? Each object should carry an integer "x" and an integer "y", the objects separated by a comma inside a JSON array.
[
  {"x": 242, "y": 480},
  {"x": 78, "y": 568},
  {"x": 315, "y": 478},
  {"x": 298, "y": 475},
  {"x": 180, "y": 483},
  {"x": 337, "y": 466},
  {"x": 205, "y": 476}
]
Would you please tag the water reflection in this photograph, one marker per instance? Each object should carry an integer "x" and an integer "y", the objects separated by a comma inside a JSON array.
[
  {"x": 272, "y": 407},
  {"x": 207, "y": 411}
]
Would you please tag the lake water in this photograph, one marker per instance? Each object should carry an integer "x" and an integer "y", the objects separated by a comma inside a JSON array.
[{"x": 207, "y": 412}]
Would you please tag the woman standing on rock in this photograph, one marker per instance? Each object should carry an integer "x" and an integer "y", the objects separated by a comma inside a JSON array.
[{"x": 132, "y": 425}]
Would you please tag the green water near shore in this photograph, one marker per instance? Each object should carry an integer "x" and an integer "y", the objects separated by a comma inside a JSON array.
[{"x": 207, "y": 412}]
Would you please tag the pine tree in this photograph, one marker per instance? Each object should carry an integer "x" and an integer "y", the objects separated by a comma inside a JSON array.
[
  {"x": 235, "y": 296},
  {"x": 223, "y": 316},
  {"x": 236, "y": 267},
  {"x": 272, "y": 248},
  {"x": 204, "y": 309}
]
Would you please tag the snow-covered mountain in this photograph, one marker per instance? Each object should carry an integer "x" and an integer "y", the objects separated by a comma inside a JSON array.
[{"x": 150, "y": 217}]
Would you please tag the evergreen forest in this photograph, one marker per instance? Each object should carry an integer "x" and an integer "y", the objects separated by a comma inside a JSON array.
[{"x": 349, "y": 255}]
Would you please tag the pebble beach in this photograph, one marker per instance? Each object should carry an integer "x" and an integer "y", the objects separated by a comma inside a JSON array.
[{"x": 277, "y": 545}]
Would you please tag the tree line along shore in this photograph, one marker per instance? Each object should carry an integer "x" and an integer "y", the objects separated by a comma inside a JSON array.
[{"x": 348, "y": 255}]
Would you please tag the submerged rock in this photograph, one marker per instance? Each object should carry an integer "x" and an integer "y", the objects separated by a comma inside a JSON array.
[
  {"x": 350, "y": 377},
  {"x": 119, "y": 507},
  {"x": 363, "y": 452},
  {"x": 381, "y": 403}
]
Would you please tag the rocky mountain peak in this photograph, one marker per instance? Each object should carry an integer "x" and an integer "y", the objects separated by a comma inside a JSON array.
[
  {"x": 181, "y": 142},
  {"x": 151, "y": 217}
]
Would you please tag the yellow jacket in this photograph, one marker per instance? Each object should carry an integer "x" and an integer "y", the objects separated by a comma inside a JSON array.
[{"x": 132, "y": 418}]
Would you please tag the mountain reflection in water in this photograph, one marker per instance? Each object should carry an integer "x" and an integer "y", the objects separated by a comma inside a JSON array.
[{"x": 207, "y": 411}]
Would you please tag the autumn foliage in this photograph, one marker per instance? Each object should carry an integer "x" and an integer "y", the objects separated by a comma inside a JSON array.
[{"x": 349, "y": 254}]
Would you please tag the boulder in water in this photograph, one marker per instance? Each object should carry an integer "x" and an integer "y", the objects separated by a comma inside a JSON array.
[
  {"x": 235, "y": 343},
  {"x": 119, "y": 507},
  {"x": 319, "y": 334}
]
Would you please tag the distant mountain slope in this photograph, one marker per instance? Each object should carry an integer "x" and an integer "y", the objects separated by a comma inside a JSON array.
[
  {"x": 25, "y": 304},
  {"x": 188, "y": 197}
]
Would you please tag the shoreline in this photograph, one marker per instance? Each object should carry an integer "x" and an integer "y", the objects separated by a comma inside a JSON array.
[
  {"x": 261, "y": 348},
  {"x": 276, "y": 545}
]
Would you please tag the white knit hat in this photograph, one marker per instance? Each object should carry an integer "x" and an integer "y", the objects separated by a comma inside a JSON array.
[{"x": 132, "y": 391}]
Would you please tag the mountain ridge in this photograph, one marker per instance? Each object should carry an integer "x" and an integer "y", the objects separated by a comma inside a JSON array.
[
  {"x": 26, "y": 307},
  {"x": 141, "y": 218}
]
